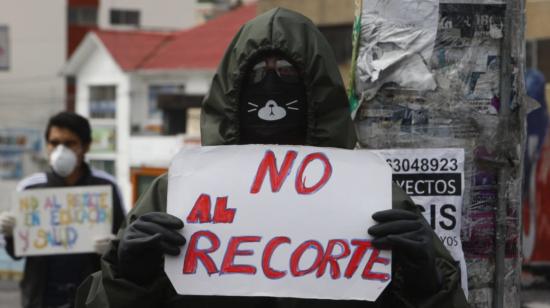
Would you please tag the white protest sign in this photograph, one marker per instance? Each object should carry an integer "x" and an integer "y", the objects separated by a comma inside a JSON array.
[
  {"x": 434, "y": 179},
  {"x": 278, "y": 221},
  {"x": 61, "y": 220}
]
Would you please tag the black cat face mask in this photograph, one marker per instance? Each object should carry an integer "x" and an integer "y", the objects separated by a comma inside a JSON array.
[{"x": 273, "y": 104}]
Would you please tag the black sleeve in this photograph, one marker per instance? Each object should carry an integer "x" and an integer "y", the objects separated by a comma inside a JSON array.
[
  {"x": 10, "y": 249},
  {"x": 118, "y": 211}
]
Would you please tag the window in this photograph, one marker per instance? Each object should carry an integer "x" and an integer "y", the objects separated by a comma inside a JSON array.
[
  {"x": 4, "y": 48},
  {"x": 103, "y": 139},
  {"x": 142, "y": 178},
  {"x": 102, "y": 102},
  {"x": 155, "y": 91},
  {"x": 174, "y": 111},
  {"x": 146, "y": 118},
  {"x": 125, "y": 18},
  {"x": 82, "y": 15}
]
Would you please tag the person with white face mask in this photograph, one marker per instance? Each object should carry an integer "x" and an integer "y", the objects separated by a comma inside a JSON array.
[
  {"x": 63, "y": 160},
  {"x": 51, "y": 281}
]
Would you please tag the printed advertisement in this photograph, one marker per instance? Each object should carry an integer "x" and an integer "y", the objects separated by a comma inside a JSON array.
[{"x": 434, "y": 179}]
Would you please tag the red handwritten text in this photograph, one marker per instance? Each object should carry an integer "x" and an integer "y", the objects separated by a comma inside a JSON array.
[{"x": 324, "y": 257}]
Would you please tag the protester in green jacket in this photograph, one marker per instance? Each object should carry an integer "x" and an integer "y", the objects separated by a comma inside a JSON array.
[{"x": 277, "y": 60}]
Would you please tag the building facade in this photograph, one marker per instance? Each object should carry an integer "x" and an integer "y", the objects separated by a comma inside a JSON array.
[
  {"x": 142, "y": 92},
  {"x": 165, "y": 15},
  {"x": 32, "y": 50}
]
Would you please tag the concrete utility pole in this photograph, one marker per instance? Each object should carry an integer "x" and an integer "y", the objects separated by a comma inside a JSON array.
[{"x": 463, "y": 89}]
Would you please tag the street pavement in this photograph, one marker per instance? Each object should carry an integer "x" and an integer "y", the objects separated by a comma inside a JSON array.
[
  {"x": 9, "y": 294},
  {"x": 536, "y": 298},
  {"x": 535, "y": 291},
  {"x": 535, "y": 295}
]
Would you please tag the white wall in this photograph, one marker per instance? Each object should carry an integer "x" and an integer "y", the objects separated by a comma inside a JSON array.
[
  {"x": 100, "y": 69},
  {"x": 32, "y": 89},
  {"x": 37, "y": 34},
  {"x": 156, "y": 151},
  {"x": 154, "y": 14}
]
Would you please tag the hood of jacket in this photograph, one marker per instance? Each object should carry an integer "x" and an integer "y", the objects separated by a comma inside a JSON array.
[{"x": 294, "y": 36}]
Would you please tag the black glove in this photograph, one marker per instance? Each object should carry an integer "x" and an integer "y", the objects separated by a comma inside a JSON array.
[
  {"x": 410, "y": 238},
  {"x": 143, "y": 245}
]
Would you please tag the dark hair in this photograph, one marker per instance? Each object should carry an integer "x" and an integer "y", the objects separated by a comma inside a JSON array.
[{"x": 73, "y": 122}]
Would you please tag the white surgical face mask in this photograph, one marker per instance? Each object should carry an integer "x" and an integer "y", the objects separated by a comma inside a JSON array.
[{"x": 63, "y": 160}]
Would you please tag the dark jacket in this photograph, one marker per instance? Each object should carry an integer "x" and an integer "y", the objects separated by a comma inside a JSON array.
[
  {"x": 36, "y": 273},
  {"x": 328, "y": 124}
]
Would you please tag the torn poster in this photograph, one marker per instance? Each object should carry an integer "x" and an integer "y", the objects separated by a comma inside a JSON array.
[{"x": 397, "y": 41}]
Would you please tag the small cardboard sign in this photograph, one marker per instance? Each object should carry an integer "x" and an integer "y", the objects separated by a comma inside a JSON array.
[
  {"x": 61, "y": 220},
  {"x": 279, "y": 221}
]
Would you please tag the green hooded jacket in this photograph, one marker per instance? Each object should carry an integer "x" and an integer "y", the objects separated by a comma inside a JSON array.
[{"x": 329, "y": 125}]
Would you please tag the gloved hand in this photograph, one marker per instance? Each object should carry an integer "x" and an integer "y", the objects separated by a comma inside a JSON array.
[
  {"x": 143, "y": 245},
  {"x": 103, "y": 243},
  {"x": 7, "y": 223},
  {"x": 410, "y": 238}
]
